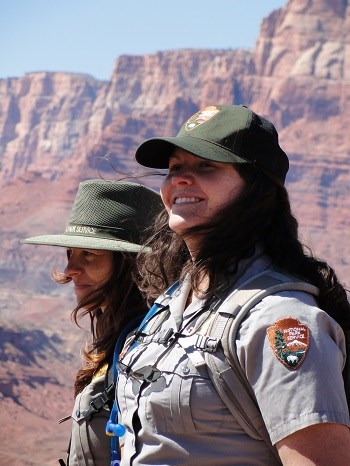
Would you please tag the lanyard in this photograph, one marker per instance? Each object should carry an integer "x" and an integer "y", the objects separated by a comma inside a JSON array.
[{"x": 113, "y": 428}]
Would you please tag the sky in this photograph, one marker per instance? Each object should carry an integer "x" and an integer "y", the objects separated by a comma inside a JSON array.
[{"x": 86, "y": 36}]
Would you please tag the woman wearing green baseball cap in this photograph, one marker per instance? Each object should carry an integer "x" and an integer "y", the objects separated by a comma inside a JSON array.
[
  {"x": 104, "y": 233},
  {"x": 241, "y": 364}
]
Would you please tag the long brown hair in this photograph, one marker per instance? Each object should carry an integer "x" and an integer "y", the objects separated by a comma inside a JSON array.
[
  {"x": 121, "y": 300},
  {"x": 262, "y": 213}
]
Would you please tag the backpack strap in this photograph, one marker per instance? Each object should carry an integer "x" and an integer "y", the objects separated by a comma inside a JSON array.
[
  {"x": 346, "y": 370},
  {"x": 104, "y": 398},
  {"x": 222, "y": 361}
]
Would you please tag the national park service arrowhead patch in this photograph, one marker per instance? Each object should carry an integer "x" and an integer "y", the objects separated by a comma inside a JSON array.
[
  {"x": 289, "y": 340},
  {"x": 201, "y": 117}
]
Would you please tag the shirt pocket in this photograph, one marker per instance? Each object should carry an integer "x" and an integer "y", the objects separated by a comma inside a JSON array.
[{"x": 185, "y": 402}]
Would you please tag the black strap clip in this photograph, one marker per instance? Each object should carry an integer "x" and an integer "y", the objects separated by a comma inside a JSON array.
[
  {"x": 164, "y": 339},
  {"x": 99, "y": 402},
  {"x": 207, "y": 344}
]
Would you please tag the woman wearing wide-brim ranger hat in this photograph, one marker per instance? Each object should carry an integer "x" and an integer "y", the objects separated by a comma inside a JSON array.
[
  {"x": 228, "y": 224},
  {"x": 105, "y": 230}
]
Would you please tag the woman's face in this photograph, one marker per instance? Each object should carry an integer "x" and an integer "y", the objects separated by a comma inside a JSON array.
[
  {"x": 89, "y": 269},
  {"x": 196, "y": 189}
]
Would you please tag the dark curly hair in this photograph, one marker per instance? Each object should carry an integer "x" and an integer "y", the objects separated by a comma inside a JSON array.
[{"x": 262, "y": 213}]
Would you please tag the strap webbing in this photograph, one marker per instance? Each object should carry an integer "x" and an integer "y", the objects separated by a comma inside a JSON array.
[{"x": 224, "y": 367}]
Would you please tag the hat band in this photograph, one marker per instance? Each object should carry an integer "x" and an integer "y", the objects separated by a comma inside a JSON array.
[{"x": 88, "y": 230}]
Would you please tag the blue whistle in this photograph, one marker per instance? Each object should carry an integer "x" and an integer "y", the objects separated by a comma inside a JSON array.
[{"x": 117, "y": 430}]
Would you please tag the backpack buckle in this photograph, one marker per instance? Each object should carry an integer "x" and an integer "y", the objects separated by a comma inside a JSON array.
[
  {"x": 99, "y": 402},
  {"x": 207, "y": 344},
  {"x": 166, "y": 337}
]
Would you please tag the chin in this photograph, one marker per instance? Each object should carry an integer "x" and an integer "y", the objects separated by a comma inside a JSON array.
[
  {"x": 80, "y": 296},
  {"x": 178, "y": 226}
]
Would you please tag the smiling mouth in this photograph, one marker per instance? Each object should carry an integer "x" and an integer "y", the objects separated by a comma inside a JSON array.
[{"x": 186, "y": 200}]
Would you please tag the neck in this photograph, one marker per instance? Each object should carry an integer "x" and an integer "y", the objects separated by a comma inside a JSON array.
[
  {"x": 193, "y": 243},
  {"x": 200, "y": 292}
]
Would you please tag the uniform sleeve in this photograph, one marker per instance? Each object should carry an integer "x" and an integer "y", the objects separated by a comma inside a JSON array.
[{"x": 293, "y": 354}]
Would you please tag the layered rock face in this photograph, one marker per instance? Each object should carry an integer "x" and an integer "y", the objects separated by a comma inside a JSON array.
[{"x": 57, "y": 129}]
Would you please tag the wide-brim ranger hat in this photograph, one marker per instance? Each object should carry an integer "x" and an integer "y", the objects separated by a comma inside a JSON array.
[
  {"x": 222, "y": 133},
  {"x": 109, "y": 215}
]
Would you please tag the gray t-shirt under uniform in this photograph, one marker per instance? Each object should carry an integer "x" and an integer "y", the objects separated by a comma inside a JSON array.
[{"x": 180, "y": 419}]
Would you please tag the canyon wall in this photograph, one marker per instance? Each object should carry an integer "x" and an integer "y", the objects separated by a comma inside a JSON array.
[{"x": 59, "y": 128}]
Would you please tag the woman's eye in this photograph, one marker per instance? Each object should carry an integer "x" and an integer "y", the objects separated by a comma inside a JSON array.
[
  {"x": 206, "y": 165},
  {"x": 174, "y": 168},
  {"x": 88, "y": 254}
]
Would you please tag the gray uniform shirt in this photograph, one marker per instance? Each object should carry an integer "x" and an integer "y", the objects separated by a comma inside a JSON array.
[
  {"x": 180, "y": 419},
  {"x": 90, "y": 446}
]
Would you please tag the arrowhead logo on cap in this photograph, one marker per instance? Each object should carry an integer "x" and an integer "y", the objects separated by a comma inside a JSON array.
[{"x": 201, "y": 117}]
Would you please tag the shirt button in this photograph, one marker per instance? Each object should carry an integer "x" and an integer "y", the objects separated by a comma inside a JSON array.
[
  {"x": 185, "y": 369},
  {"x": 77, "y": 413}
]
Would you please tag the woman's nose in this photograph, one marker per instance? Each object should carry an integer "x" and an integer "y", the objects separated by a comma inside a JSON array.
[
  {"x": 182, "y": 177},
  {"x": 72, "y": 268}
]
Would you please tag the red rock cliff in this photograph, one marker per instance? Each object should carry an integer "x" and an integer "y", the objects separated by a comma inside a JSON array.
[{"x": 54, "y": 127}]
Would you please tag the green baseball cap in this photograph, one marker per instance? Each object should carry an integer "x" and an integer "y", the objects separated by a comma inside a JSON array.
[
  {"x": 109, "y": 215},
  {"x": 222, "y": 133}
]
